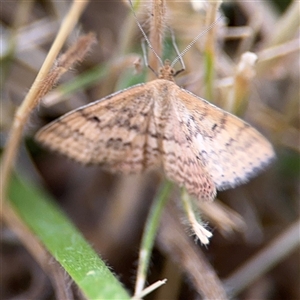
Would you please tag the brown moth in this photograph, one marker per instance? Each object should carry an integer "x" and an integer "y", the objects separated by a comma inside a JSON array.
[{"x": 200, "y": 146}]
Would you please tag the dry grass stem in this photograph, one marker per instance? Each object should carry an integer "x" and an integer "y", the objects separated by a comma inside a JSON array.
[
  {"x": 238, "y": 95},
  {"x": 30, "y": 100},
  {"x": 280, "y": 50},
  {"x": 76, "y": 53},
  {"x": 117, "y": 66},
  {"x": 150, "y": 289},
  {"x": 287, "y": 27},
  {"x": 60, "y": 280},
  {"x": 255, "y": 22},
  {"x": 270, "y": 57},
  {"x": 274, "y": 252},
  {"x": 173, "y": 241},
  {"x": 30, "y": 241},
  {"x": 221, "y": 216},
  {"x": 73, "y": 55},
  {"x": 241, "y": 32},
  {"x": 174, "y": 276},
  {"x": 157, "y": 26},
  {"x": 210, "y": 40}
]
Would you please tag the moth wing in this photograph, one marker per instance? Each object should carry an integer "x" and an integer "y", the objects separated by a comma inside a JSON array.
[
  {"x": 180, "y": 161},
  {"x": 111, "y": 132},
  {"x": 230, "y": 149}
]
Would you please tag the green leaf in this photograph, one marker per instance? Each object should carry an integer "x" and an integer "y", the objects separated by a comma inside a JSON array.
[{"x": 64, "y": 242}]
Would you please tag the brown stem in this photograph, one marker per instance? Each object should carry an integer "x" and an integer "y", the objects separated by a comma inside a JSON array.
[{"x": 157, "y": 23}]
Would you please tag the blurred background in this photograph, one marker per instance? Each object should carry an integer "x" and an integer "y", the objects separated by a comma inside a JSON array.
[{"x": 110, "y": 210}]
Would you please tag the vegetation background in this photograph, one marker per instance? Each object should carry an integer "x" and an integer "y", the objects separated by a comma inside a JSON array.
[{"x": 259, "y": 218}]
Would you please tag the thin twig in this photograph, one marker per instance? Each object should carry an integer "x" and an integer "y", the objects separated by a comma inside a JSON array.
[
  {"x": 210, "y": 55},
  {"x": 268, "y": 257},
  {"x": 30, "y": 100},
  {"x": 157, "y": 23}
]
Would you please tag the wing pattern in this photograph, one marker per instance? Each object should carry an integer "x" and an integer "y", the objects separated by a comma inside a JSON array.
[
  {"x": 111, "y": 132},
  {"x": 199, "y": 145},
  {"x": 230, "y": 149},
  {"x": 181, "y": 164}
]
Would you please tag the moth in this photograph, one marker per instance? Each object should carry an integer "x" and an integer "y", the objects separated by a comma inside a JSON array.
[
  {"x": 199, "y": 145},
  {"x": 158, "y": 124}
]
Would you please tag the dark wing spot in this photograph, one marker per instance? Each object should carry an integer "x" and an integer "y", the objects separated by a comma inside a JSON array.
[
  {"x": 115, "y": 143},
  {"x": 134, "y": 128},
  {"x": 95, "y": 119},
  {"x": 214, "y": 127}
]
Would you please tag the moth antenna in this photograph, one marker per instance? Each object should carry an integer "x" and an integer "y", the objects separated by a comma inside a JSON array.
[
  {"x": 144, "y": 34},
  {"x": 178, "y": 53},
  {"x": 146, "y": 59},
  {"x": 188, "y": 47}
]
